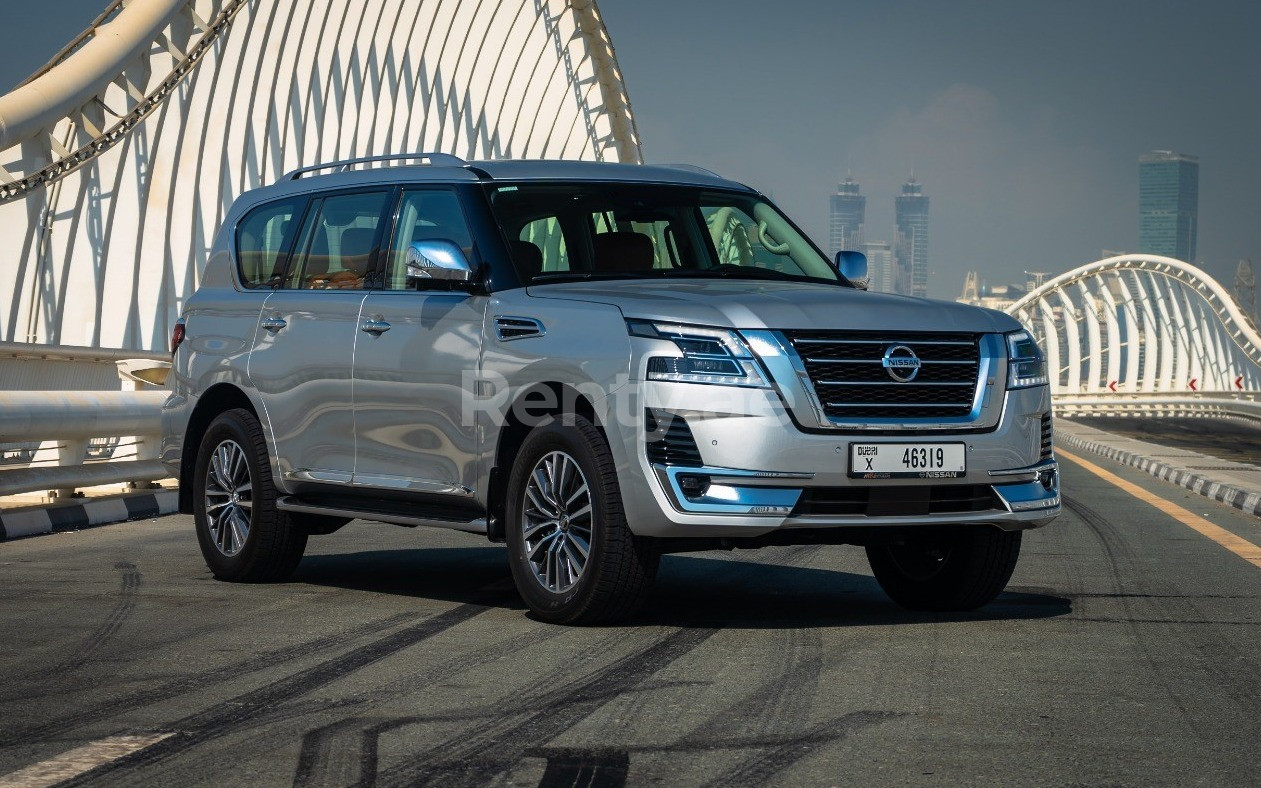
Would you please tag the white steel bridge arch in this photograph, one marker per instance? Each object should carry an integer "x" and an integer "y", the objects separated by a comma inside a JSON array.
[
  {"x": 119, "y": 158},
  {"x": 1141, "y": 326}
]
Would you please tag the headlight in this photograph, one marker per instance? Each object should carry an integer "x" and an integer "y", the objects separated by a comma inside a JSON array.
[
  {"x": 710, "y": 355},
  {"x": 1025, "y": 365}
]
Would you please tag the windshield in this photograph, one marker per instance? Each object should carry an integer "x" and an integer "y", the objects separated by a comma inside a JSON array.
[{"x": 619, "y": 230}]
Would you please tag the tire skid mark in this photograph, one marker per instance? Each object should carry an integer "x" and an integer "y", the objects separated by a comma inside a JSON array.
[
  {"x": 1206, "y": 646},
  {"x": 241, "y": 711},
  {"x": 778, "y": 757},
  {"x": 474, "y": 757},
  {"x": 329, "y": 751},
  {"x": 129, "y": 585},
  {"x": 198, "y": 682},
  {"x": 1117, "y": 552}
]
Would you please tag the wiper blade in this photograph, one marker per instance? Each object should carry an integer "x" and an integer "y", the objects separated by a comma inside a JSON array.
[
  {"x": 582, "y": 276},
  {"x": 745, "y": 272}
]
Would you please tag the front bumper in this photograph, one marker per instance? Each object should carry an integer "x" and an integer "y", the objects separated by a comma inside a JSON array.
[{"x": 759, "y": 472}]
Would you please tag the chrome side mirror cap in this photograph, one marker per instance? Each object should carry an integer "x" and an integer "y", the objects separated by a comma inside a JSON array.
[
  {"x": 439, "y": 259},
  {"x": 853, "y": 266}
]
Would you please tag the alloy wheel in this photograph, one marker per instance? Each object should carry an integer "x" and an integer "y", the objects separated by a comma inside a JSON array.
[
  {"x": 556, "y": 522},
  {"x": 229, "y": 498}
]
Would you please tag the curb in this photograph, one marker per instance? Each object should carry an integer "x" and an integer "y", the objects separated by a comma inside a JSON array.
[
  {"x": 1241, "y": 499},
  {"x": 77, "y": 516}
]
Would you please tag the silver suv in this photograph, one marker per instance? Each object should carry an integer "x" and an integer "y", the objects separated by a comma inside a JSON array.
[{"x": 596, "y": 364}]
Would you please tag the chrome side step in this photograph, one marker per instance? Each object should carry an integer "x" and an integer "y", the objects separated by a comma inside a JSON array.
[{"x": 290, "y": 503}]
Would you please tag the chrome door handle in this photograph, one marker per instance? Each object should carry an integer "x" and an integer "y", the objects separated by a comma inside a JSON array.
[
  {"x": 273, "y": 323},
  {"x": 375, "y": 327}
]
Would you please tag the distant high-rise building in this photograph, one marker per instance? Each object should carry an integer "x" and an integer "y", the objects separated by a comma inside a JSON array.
[
  {"x": 881, "y": 268},
  {"x": 849, "y": 209},
  {"x": 912, "y": 239},
  {"x": 1168, "y": 204}
]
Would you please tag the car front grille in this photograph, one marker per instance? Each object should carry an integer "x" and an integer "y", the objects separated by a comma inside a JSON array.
[
  {"x": 851, "y": 382},
  {"x": 1046, "y": 436}
]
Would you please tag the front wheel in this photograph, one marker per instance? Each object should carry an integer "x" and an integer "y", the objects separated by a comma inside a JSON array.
[
  {"x": 952, "y": 570},
  {"x": 573, "y": 557},
  {"x": 243, "y": 536}
]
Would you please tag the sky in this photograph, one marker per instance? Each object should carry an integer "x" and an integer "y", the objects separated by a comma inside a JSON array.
[{"x": 1023, "y": 120}]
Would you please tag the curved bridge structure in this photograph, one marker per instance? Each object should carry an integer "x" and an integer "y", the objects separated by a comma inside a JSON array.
[
  {"x": 118, "y": 158},
  {"x": 1142, "y": 332}
]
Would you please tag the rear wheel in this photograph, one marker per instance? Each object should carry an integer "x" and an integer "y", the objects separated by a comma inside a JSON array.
[
  {"x": 243, "y": 536},
  {"x": 953, "y": 570},
  {"x": 573, "y": 557}
]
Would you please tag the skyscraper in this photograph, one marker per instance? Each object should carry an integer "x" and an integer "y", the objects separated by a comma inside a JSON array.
[
  {"x": 849, "y": 209},
  {"x": 881, "y": 272},
  {"x": 1168, "y": 204},
  {"x": 912, "y": 238}
]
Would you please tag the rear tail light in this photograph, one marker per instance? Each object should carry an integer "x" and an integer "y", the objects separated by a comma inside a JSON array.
[{"x": 177, "y": 335}]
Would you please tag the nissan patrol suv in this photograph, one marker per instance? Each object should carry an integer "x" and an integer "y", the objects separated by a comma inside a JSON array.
[{"x": 596, "y": 364}]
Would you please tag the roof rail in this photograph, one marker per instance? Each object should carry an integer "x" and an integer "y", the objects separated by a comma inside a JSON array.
[
  {"x": 434, "y": 159},
  {"x": 692, "y": 168}
]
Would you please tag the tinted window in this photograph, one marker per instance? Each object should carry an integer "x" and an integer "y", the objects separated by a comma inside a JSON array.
[
  {"x": 263, "y": 238},
  {"x": 337, "y": 241}
]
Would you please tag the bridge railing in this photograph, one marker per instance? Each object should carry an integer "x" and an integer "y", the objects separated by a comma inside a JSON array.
[
  {"x": 1245, "y": 405},
  {"x": 66, "y": 423}
]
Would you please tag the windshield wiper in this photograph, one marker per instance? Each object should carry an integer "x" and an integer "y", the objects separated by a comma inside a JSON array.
[
  {"x": 583, "y": 276},
  {"x": 745, "y": 272}
]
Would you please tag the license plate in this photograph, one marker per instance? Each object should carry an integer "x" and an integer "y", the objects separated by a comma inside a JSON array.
[{"x": 906, "y": 460}]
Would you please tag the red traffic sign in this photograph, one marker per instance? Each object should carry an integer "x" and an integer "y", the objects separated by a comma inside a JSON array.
[
  {"x": 1192, "y": 384},
  {"x": 1239, "y": 382},
  {"x": 1113, "y": 385}
]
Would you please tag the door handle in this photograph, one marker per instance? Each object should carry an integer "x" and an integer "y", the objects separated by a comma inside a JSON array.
[
  {"x": 273, "y": 323},
  {"x": 376, "y": 327}
]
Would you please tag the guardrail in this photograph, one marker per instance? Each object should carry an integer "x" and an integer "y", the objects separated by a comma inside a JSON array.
[
  {"x": 1246, "y": 406},
  {"x": 66, "y": 422}
]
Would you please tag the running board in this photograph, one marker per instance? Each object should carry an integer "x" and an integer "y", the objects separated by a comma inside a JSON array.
[{"x": 290, "y": 503}]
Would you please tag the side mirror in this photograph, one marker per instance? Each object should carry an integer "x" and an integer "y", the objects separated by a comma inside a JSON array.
[
  {"x": 439, "y": 259},
  {"x": 853, "y": 266}
]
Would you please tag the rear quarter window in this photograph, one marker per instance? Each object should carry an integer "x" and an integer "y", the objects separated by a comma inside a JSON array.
[{"x": 263, "y": 240}]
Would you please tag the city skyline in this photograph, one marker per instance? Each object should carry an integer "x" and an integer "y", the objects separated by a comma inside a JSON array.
[{"x": 911, "y": 246}]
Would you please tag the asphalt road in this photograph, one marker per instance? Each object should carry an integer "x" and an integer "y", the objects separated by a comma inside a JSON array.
[
  {"x": 1127, "y": 651},
  {"x": 1227, "y": 439}
]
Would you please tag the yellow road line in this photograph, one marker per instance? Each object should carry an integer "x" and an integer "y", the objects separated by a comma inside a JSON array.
[{"x": 1236, "y": 544}]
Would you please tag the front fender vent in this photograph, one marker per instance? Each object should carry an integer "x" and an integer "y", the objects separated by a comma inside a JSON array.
[{"x": 508, "y": 327}]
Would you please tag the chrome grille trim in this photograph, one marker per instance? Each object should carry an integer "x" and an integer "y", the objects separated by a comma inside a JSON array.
[{"x": 961, "y": 400}]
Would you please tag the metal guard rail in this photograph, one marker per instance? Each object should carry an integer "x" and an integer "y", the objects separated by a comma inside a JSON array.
[
  {"x": 1246, "y": 406},
  {"x": 74, "y": 418}
]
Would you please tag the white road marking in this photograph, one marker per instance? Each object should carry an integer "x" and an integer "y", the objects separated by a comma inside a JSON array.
[{"x": 79, "y": 761}]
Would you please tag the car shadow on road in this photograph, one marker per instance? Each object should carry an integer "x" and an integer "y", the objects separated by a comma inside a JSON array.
[{"x": 696, "y": 589}]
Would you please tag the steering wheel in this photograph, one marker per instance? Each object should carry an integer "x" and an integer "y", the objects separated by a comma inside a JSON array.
[{"x": 768, "y": 242}]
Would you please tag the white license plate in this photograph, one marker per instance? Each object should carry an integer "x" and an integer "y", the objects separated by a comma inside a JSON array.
[{"x": 906, "y": 460}]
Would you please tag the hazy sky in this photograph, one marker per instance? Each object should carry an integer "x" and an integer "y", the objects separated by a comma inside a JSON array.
[{"x": 1023, "y": 120}]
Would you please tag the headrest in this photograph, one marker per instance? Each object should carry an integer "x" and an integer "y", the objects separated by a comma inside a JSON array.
[
  {"x": 356, "y": 248},
  {"x": 527, "y": 257},
  {"x": 622, "y": 252}
]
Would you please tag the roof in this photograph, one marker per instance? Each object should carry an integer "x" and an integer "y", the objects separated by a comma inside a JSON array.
[{"x": 448, "y": 169}]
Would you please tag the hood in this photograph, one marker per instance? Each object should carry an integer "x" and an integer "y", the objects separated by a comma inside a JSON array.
[{"x": 777, "y": 305}]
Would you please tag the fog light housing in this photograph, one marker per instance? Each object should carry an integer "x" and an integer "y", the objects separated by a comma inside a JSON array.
[
  {"x": 1046, "y": 477},
  {"x": 693, "y": 485}
]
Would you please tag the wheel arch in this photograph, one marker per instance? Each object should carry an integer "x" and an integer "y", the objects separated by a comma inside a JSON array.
[
  {"x": 217, "y": 399},
  {"x": 548, "y": 398}
]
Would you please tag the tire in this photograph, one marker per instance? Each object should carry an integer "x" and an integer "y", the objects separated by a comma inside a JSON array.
[
  {"x": 244, "y": 538},
  {"x": 545, "y": 537},
  {"x": 954, "y": 570}
]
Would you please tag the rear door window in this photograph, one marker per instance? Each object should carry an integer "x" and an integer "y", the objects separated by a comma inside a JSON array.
[
  {"x": 263, "y": 240},
  {"x": 337, "y": 243}
]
